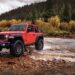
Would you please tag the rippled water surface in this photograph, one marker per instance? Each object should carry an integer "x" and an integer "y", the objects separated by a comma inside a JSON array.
[{"x": 56, "y": 48}]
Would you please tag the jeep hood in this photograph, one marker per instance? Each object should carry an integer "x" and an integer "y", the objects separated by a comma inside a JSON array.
[{"x": 12, "y": 32}]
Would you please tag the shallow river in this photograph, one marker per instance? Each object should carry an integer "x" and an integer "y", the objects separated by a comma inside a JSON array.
[{"x": 56, "y": 48}]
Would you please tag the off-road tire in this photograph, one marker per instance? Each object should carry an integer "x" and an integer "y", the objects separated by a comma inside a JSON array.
[
  {"x": 17, "y": 48},
  {"x": 39, "y": 44}
]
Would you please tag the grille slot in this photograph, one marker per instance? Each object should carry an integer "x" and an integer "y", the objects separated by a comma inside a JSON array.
[{"x": 2, "y": 37}]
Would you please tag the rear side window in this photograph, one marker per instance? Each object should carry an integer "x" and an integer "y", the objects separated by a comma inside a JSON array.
[
  {"x": 30, "y": 28},
  {"x": 36, "y": 29}
]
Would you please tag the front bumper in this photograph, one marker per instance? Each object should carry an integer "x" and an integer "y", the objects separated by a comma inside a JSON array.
[{"x": 5, "y": 44}]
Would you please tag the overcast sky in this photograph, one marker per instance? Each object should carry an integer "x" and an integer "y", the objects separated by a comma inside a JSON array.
[{"x": 6, "y": 5}]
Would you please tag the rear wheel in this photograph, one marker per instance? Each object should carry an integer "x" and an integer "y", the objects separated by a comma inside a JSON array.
[
  {"x": 39, "y": 44},
  {"x": 17, "y": 48}
]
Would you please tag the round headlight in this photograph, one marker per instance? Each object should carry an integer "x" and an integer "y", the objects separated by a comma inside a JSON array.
[{"x": 6, "y": 36}]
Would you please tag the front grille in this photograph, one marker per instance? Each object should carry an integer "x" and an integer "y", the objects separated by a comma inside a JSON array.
[{"x": 2, "y": 37}]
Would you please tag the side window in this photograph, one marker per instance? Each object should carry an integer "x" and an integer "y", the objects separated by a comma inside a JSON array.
[
  {"x": 36, "y": 29},
  {"x": 30, "y": 28}
]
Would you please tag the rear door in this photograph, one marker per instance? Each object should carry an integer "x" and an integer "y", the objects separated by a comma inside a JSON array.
[{"x": 30, "y": 35}]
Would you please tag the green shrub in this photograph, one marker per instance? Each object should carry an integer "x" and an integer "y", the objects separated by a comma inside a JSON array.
[
  {"x": 64, "y": 26},
  {"x": 72, "y": 26}
]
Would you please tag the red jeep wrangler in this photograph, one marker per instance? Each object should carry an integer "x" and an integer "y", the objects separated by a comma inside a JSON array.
[{"x": 19, "y": 36}]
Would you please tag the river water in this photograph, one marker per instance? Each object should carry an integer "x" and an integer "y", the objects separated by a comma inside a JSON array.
[{"x": 56, "y": 48}]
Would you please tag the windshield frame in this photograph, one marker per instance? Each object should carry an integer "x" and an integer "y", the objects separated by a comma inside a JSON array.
[{"x": 18, "y": 27}]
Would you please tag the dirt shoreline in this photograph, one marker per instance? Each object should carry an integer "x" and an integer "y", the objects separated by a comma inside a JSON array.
[
  {"x": 26, "y": 66},
  {"x": 71, "y": 36}
]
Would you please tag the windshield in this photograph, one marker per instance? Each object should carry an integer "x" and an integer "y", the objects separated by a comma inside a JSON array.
[{"x": 17, "y": 28}]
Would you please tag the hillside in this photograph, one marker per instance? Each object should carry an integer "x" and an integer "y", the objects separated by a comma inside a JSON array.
[{"x": 64, "y": 8}]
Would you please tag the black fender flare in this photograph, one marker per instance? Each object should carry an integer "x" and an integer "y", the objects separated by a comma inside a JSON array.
[
  {"x": 15, "y": 37},
  {"x": 39, "y": 37}
]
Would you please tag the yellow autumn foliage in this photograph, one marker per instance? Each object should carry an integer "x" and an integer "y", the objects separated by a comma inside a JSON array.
[
  {"x": 53, "y": 26},
  {"x": 72, "y": 25},
  {"x": 54, "y": 21}
]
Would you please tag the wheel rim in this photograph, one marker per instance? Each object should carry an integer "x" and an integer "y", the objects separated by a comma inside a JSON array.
[
  {"x": 19, "y": 49},
  {"x": 40, "y": 44}
]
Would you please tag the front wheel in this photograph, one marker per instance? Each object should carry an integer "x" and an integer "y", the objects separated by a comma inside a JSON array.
[
  {"x": 39, "y": 44},
  {"x": 17, "y": 48}
]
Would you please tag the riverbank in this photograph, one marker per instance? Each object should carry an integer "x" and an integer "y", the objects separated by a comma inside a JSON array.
[
  {"x": 70, "y": 35},
  {"x": 26, "y": 66}
]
